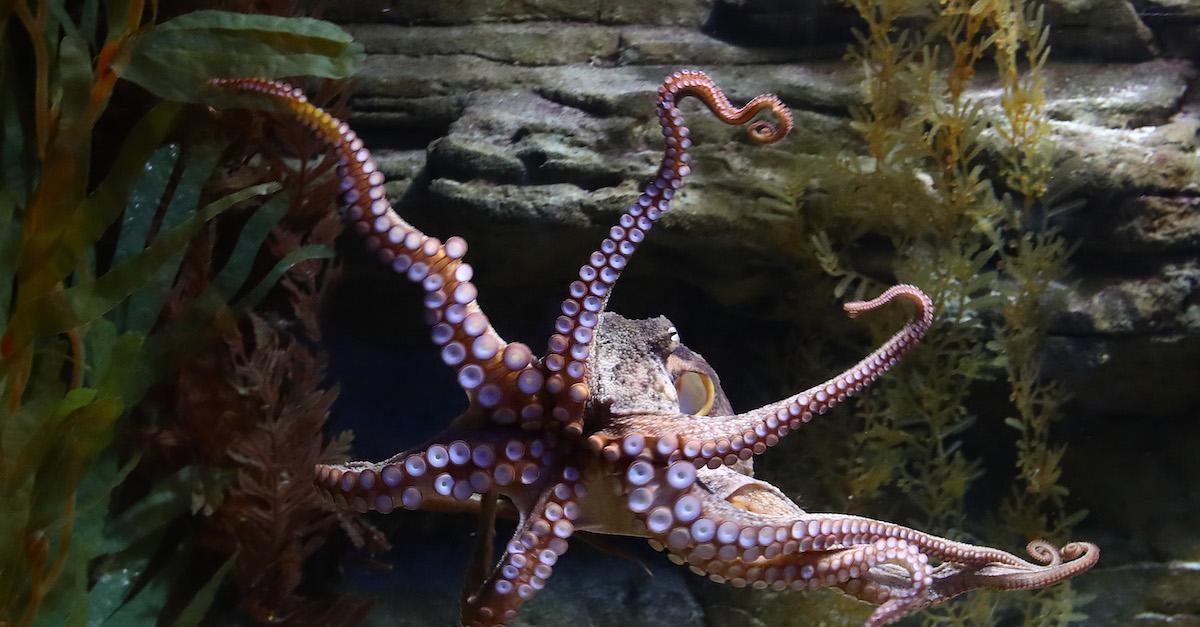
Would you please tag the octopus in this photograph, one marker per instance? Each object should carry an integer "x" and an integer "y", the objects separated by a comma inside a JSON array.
[{"x": 619, "y": 428}]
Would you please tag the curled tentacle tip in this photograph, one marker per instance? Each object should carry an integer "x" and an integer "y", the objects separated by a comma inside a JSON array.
[
  {"x": 1077, "y": 550},
  {"x": 904, "y": 290},
  {"x": 764, "y": 132},
  {"x": 1044, "y": 552}
]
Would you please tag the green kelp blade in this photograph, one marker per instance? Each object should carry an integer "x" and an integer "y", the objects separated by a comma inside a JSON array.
[
  {"x": 28, "y": 432},
  {"x": 10, "y": 242},
  {"x": 190, "y": 329},
  {"x": 68, "y": 601},
  {"x": 300, "y": 255},
  {"x": 16, "y": 484},
  {"x": 15, "y": 151},
  {"x": 62, "y": 248},
  {"x": 117, "y": 576},
  {"x": 176, "y": 59},
  {"x": 138, "y": 219},
  {"x": 71, "y": 308},
  {"x": 144, "y": 200},
  {"x": 65, "y": 150},
  {"x": 169, "y": 498},
  {"x": 63, "y": 454},
  {"x": 134, "y": 537},
  {"x": 146, "y": 304},
  {"x": 88, "y": 18},
  {"x": 148, "y": 601},
  {"x": 46, "y": 375},
  {"x": 195, "y": 610},
  {"x": 61, "y": 180},
  {"x": 237, "y": 267},
  {"x": 146, "y": 606},
  {"x": 193, "y": 323}
]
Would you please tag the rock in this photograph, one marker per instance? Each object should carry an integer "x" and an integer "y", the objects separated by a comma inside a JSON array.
[
  {"x": 588, "y": 588},
  {"x": 1116, "y": 95},
  {"x": 1165, "y": 302},
  {"x": 729, "y": 607},
  {"x": 550, "y": 205},
  {"x": 821, "y": 29},
  {"x": 1175, "y": 23},
  {"x": 1143, "y": 594},
  {"x": 1099, "y": 29},
  {"x": 1091, "y": 29},
  {"x": 561, "y": 43},
  {"x": 399, "y": 166},
  {"x": 613, "y": 592},
  {"x": 685, "y": 47},
  {"x": 1101, "y": 162},
  {"x": 462, "y": 158},
  {"x": 1139, "y": 509},
  {"x": 676, "y": 12},
  {"x": 1144, "y": 225},
  {"x": 1126, "y": 375},
  {"x": 523, "y": 43},
  {"x": 1114, "y": 330}
]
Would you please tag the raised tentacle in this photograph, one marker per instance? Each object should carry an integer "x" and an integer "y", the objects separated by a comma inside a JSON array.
[
  {"x": 497, "y": 375},
  {"x": 529, "y": 557},
  {"x": 570, "y": 345},
  {"x": 725, "y": 439},
  {"x": 451, "y": 469}
]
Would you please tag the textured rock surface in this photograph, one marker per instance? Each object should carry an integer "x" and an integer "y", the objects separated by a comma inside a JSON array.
[
  {"x": 451, "y": 12},
  {"x": 1164, "y": 594},
  {"x": 526, "y": 127}
]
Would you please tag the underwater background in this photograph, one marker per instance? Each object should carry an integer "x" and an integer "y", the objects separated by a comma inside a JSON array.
[{"x": 187, "y": 331}]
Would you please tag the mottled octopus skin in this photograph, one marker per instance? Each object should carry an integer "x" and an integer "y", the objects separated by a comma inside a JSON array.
[{"x": 591, "y": 436}]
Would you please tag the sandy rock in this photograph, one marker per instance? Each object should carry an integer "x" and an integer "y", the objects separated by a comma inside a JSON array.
[
  {"x": 1168, "y": 301},
  {"x": 691, "y": 12},
  {"x": 523, "y": 43},
  {"x": 1104, "y": 29},
  {"x": 1144, "y": 594},
  {"x": 1127, "y": 375},
  {"x": 1145, "y": 225}
]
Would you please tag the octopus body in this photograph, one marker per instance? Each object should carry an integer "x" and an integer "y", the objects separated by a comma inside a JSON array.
[{"x": 619, "y": 428}]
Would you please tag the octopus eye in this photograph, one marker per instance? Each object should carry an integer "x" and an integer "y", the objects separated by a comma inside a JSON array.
[
  {"x": 696, "y": 393},
  {"x": 674, "y": 333}
]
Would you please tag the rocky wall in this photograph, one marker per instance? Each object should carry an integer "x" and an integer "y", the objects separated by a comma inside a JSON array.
[{"x": 526, "y": 126}]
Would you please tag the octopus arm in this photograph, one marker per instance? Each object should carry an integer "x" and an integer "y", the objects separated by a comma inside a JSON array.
[
  {"x": 484, "y": 362},
  {"x": 569, "y": 347},
  {"x": 731, "y": 528},
  {"x": 713, "y": 441},
  {"x": 447, "y": 472},
  {"x": 882, "y": 586},
  {"x": 529, "y": 557}
]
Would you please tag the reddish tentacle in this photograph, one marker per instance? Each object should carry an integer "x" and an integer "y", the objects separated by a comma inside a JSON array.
[
  {"x": 530, "y": 556},
  {"x": 497, "y": 375},
  {"x": 780, "y": 546},
  {"x": 570, "y": 345},
  {"x": 714, "y": 441},
  {"x": 448, "y": 469}
]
